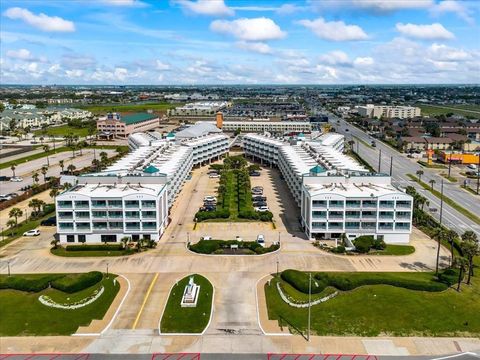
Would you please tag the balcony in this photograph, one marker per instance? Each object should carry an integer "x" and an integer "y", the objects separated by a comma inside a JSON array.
[
  {"x": 132, "y": 215},
  {"x": 64, "y": 204},
  {"x": 149, "y": 226},
  {"x": 335, "y": 204},
  {"x": 149, "y": 215},
  {"x": 404, "y": 204},
  {"x": 132, "y": 205},
  {"x": 369, "y": 204},
  {"x": 132, "y": 226},
  {"x": 83, "y": 226},
  {"x": 148, "y": 204},
  {"x": 82, "y": 205},
  {"x": 99, "y": 204},
  {"x": 115, "y": 204},
  {"x": 65, "y": 226},
  {"x": 99, "y": 215},
  {"x": 65, "y": 216},
  {"x": 387, "y": 204}
]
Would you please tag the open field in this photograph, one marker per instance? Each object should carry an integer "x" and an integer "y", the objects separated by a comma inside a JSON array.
[
  {"x": 177, "y": 319},
  {"x": 162, "y": 106},
  {"x": 464, "y": 110},
  {"x": 23, "y": 314},
  {"x": 62, "y": 131},
  {"x": 373, "y": 310}
]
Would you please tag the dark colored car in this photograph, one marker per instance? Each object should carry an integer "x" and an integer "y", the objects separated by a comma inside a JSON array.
[
  {"x": 259, "y": 203},
  {"x": 51, "y": 221},
  {"x": 4, "y": 178},
  {"x": 259, "y": 198},
  {"x": 254, "y": 173}
]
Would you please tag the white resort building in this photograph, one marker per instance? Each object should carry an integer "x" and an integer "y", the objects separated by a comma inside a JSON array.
[
  {"x": 336, "y": 195},
  {"x": 133, "y": 196}
]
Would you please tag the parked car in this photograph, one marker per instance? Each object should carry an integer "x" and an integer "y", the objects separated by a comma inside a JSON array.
[
  {"x": 257, "y": 192},
  {"x": 34, "y": 232},
  {"x": 213, "y": 176},
  {"x": 16, "y": 179},
  {"x": 207, "y": 237},
  {"x": 254, "y": 173},
  {"x": 259, "y": 203},
  {"x": 259, "y": 198},
  {"x": 51, "y": 221},
  {"x": 374, "y": 144},
  {"x": 4, "y": 178},
  {"x": 262, "y": 208},
  {"x": 209, "y": 198},
  {"x": 12, "y": 195},
  {"x": 261, "y": 240},
  {"x": 472, "y": 166}
]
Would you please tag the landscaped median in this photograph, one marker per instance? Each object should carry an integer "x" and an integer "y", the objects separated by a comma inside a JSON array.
[
  {"x": 95, "y": 250},
  {"x": 53, "y": 304},
  {"x": 188, "y": 320},
  {"x": 231, "y": 247},
  {"x": 372, "y": 304},
  {"x": 447, "y": 200}
]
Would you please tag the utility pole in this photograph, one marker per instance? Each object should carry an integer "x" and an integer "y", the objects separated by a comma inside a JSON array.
[
  {"x": 478, "y": 175},
  {"x": 449, "y": 164},
  {"x": 380, "y": 160},
  {"x": 8, "y": 267},
  {"x": 277, "y": 267},
  {"x": 391, "y": 165},
  {"x": 107, "y": 270},
  {"x": 441, "y": 203},
  {"x": 309, "y": 304}
]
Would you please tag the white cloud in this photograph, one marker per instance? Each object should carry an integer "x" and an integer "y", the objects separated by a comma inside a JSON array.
[
  {"x": 288, "y": 9},
  {"x": 72, "y": 74},
  {"x": 445, "y": 53},
  {"x": 334, "y": 30},
  {"x": 335, "y": 57},
  {"x": 126, "y": 3},
  {"x": 453, "y": 6},
  {"x": 21, "y": 54},
  {"x": 40, "y": 21},
  {"x": 159, "y": 65},
  {"x": 206, "y": 7},
  {"x": 392, "y": 5},
  {"x": 255, "y": 29},
  {"x": 363, "y": 61},
  {"x": 258, "y": 47},
  {"x": 434, "y": 31}
]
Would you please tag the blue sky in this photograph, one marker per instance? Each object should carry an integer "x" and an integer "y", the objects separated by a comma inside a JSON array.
[{"x": 239, "y": 42}]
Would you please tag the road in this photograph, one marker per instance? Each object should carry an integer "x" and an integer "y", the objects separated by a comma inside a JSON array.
[
  {"x": 25, "y": 170},
  {"x": 403, "y": 166}
]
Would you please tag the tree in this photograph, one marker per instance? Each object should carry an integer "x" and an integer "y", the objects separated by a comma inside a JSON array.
[
  {"x": 54, "y": 243},
  {"x": 67, "y": 186},
  {"x": 440, "y": 235},
  {"x": 104, "y": 158},
  {"x": 71, "y": 168},
  {"x": 35, "y": 178},
  {"x": 41, "y": 140},
  {"x": 432, "y": 182},
  {"x": 96, "y": 164},
  {"x": 11, "y": 224},
  {"x": 419, "y": 174},
  {"x": 44, "y": 171},
  {"x": 53, "y": 193},
  {"x": 46, "y": 148},
  {"x": 15, "y": 213},
  {"x": 37, "y": 206},
  {"x": 62, "y": 164},
  {"x": 451, "y": 237},
  {"x": 460, "y": 263},
  {"x": 13, "y": 167},
  {"x": 125, "y": 240},
  {"x": 470, "y": 248}
]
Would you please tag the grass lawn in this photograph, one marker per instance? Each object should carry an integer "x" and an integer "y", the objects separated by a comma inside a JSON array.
[
  {"x": 455, "y": 109},
  {"x": 177, "y": 319},
  {"x": 23, "y": 314},
  {"x": 357, "y": 157},
  {"x": 447, "y": 200},
  {"x": 449, "y": 178},
  {"x": 162, "y": 106},
  {"x": 431, "y": 166},
  {"x": 395, "y": 250},
  {"x": 374, "y": 310},
  {"x": 60, "y": 131}
]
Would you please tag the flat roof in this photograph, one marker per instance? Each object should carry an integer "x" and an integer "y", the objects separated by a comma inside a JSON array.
[
  {"x": 136, "y": 118},
  {"x": 115, "y": 190}
]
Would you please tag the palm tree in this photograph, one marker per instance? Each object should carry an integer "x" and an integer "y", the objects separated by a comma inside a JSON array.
[
  {"x": 460, "y": 263},
  {"x": 13, "y": 167},
  {"x": 419, "y": 174},
  {"x": 96, "y": 164},
  {"x": 54, "y": 243},
  {"x": 35, "y": 178},
  {"x": 62, "y": 164},
  {"x": 440, "y": 235},
  {"x": 451, "y": 236},
  {"x": 46, "y": 148},
  {"x": 470, "y": 248},
  {"x": 15, "y": 213},
  {"x": 11, "y": 224},
  {"x": 71, "y": 168},
  {"x": 67, "y": 186},
  {"x": 36, "y": 205},
  {"x": 53, "y": 193},
  {"x": 103, "y": 158},
  {"x": 44, "y": 171},
  {"x": 432, "y": 182},
  {"x": 125, "y": 240},
  {"x": 41, "y": 140}
]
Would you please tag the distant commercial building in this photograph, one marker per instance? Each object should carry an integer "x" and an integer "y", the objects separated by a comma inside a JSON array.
[
  {"x": 459, "y": 158},
  {"x": 122, "y": 126},
  {"x": 389, "y": 112},
  {"x": 336, "y": 195},
  {"x": 204, "y": 108},
  {"x": 132, "y": 197},
  {"x": 277, "y": 127}
]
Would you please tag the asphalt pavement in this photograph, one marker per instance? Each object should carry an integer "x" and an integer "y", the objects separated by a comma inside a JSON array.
[{"x": 403, "y": 166}]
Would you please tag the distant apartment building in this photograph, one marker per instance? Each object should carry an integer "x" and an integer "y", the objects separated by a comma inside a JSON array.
[
  {"x": 132, "y": 197},
  {"x": 335, "y": 194},
  {"x": 123, "y": 125},
  {"x": 203, "y": 108},
  {"x": 389, "y": 112},
  {"x": 261, "y": 126}
]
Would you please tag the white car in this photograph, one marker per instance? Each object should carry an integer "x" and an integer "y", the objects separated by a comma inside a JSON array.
[
  {"x": 209, "y": 198},
  {"x": 16, "y": 179},
  {"x": 472, "y": 166},
  {"x": 262, "y": 208},
  {"x": 213, "y": 175},
  {"x": 261, "y": 239},
  {"x": 207, "y": 238},
  {"x": 34, "y": 232}
]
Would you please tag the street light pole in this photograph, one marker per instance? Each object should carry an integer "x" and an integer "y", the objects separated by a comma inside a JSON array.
[
  {"x": 107, "y": 270},
  {"x": 277, "y": 267},
  {"x": 309, "y": 303},
  {"x": 380, "y": 160},
  {"x": 441, "y": 203},
  {"x": 8, "y": 267},
  {"x": 391, "y": 165}
]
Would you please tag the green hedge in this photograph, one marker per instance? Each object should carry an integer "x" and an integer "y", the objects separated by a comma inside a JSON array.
[
  {"x": 107, "y": 247},
  {"x": 73, "y": 283},
  {"x": 216, "y": 246},
  {"x": 349, "y": 281},
  {"x": 363, "y": 244},
  {"x": 67, "y": 283}
]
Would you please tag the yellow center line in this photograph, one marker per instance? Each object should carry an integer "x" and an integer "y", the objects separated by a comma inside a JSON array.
[{"x": 145, "y": 301}]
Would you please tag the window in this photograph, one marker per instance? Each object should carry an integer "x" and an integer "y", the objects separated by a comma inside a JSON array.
[
  {"x": 83, "y": 226},
  {"x": 82, "y": 238},
  {"x": 64, "y": 204},
  {"x": 115, "y": 214},
  {"x": 99, "y": 214},
  {"x": 66, "y": 226},
  {"x": 336, "y": 203},
  {"x": 369, "y": 214},
  {"x": 319, "y": 214},
  {"x": 148, "y": 203},
  {"x": 335, "y": 215},
  {"x": 100, "y": 225},
  {"x": 99, "y": 203},
  {"x": 70, "y": 238},
  {"x": 387, "y": 203},
  {"x": 115, "y": 203},
  {"x": 81, "y": 204},
  {"x": 82, "y": 214},
  {"x": 352, "y": 214},
  {"x": 109, "y": 238},
  {"x": 65, "y": 215},
  {"x": 132, "y": 214},
  {"x": 352, "y": 225},
  {"x": 353, "y": 203},
  {"x": 319, "y": 203},
  {"x": 369, "y": 203},
  {"x": 131, "y": 203},
  {"x": 149, "y": 214},
  {"x": 115, "y": 225},
  {"x": 404, "y": 203},
  {"x": 319, "y": 225}
]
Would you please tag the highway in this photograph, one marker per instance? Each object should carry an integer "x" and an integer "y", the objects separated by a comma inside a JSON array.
[{"x": 403, "y": 166}]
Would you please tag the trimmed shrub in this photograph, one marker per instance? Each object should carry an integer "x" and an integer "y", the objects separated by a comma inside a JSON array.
[
  {"x": 363, "y": 243},
  {"x": 84, "y": 247},
  {"x": 379, "y": 244},
  {"x": 265, "y": 216},
  {"x": 35, "y": 284},
  {"x": 205, "y": 246},
  {"x": 340, "y": 249},
  {"x": 449, "y": 276},
  {"x": 77, "y": 282}
]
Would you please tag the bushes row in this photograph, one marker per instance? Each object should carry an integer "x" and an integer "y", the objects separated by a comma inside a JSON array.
[
  {"x": 106, "y": 247},
  {"x": 66, "y": 283},
  {"x": 217, "y": 214},
  {"x": 363, "y": 244},
  {"x": 217, "y": 246},
  {"x": 345, "y": 282},
  {"x": 254, "y": 215}
]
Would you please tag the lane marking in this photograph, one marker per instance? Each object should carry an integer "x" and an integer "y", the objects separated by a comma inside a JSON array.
[{"x": 145, "y": 301}]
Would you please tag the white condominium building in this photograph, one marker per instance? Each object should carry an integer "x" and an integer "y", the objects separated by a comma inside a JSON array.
[
  {"x": 133, "y": 196},
  {"x": 381, "y": 111},
  {"x": 336, "y": 195},
  {"x": 280, "y": 127}
]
